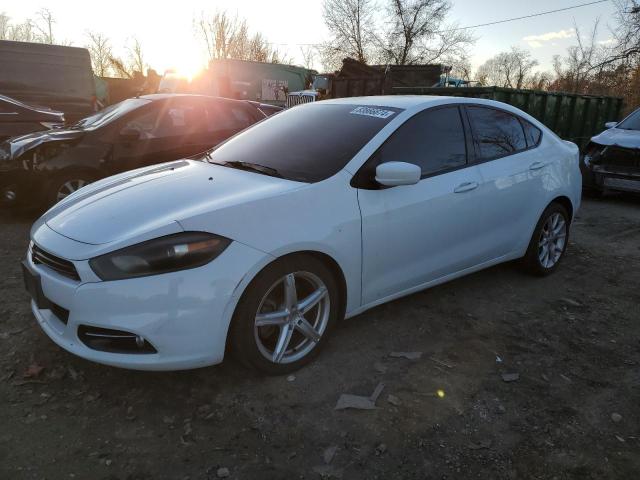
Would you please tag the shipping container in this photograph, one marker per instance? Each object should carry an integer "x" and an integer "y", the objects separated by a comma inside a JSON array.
[
  {"x": 572, "y": 117},
  {"x": 53, "y": 76}
]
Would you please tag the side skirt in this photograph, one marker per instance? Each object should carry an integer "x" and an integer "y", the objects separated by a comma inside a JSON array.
[{"x": 433, "y": 283}]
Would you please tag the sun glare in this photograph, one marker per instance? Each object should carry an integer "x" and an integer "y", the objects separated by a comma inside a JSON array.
[{"x": 188, "y": 66}]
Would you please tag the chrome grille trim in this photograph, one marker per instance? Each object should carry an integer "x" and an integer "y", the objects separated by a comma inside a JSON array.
[{"x": 57, "y": 264}]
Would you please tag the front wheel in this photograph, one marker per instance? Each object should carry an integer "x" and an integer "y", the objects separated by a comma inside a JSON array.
[
  {"x": 286, "y": 315},
  {"x": 64, "y": 185},
  {"x": 548, "y": 242}
]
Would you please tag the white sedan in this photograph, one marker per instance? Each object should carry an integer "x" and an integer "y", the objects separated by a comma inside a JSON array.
[{"x": 316, "y": 214}]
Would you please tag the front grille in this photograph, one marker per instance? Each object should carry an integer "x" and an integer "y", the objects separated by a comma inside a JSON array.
[
  {"x": 60, "y": 265},
  {"x": 294, "y": 99},
  {"x": 621, "y": 157}
]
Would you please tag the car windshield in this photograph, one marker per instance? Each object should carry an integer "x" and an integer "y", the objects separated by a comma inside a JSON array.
[
  {"x": 110, "y": 114},
  {"x": 307, "y": 143},
  {"x": 632, "y": 122}
]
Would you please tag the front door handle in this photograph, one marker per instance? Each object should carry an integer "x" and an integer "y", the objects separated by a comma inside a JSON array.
[
  {"x": 537, "y": 165},
  {"x": 466, "y": 187}
]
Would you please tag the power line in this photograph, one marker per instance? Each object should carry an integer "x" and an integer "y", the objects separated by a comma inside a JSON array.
[
  {"x": 526, "y": 16},
  {"x": 497, "y": 22}
]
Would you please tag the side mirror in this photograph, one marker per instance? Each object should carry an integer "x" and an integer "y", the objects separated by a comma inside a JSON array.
[
  {"x": 610, "y": 124},
  {"x": 129, "y": 135},
  {"x": 393, "y": 174}
]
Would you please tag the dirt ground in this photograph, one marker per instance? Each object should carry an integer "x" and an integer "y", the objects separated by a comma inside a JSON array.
[{"x": 573, "y": 413}]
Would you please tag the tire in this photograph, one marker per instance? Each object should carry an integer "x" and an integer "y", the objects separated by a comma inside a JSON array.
[
  {"x": 592, "y": 192},
  {"x": 256, "y": 346},
  {"x": 65, "y": 184},
  {"x": 534, "y": 260}
]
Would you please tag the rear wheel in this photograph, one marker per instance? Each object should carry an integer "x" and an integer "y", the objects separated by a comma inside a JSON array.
[
  {"x": 286, "y": 315},
  {"x": 549, "y": 241}
]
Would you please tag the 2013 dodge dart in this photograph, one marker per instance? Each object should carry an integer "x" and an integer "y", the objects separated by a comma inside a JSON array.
[{"x": 316, "y": 214}]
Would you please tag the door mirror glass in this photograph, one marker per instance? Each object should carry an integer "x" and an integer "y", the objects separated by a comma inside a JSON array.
[
  {"x": 129, "y": 135},
  {"x": 393, "y": 174},
  {"x": 610, "y": 124}
]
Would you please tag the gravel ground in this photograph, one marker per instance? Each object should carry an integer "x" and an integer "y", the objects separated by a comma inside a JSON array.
[{"x": 572, "y": 410}]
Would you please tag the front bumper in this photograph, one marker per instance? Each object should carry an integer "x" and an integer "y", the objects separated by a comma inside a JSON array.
[
  {"x": 611, "y": 168},
  {"x": 184, "y": 315}
]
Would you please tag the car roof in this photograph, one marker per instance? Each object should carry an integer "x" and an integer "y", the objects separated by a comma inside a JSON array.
[
  {"x": 395, "y": 101},
  {"x": 165, "y": 96}
]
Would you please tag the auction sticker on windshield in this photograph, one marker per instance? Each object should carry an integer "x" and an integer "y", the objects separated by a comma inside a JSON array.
[{"x": 372, "y": 112}]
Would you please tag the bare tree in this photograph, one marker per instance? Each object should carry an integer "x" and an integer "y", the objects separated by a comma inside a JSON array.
[
  {"x": 23, "y": 32},
  {"x": 510, "y": 69},
  {"x": 218, "y": 33},
  {"x": 45, "y": 25},
  {"x": 417, "y": 33},
  {"x": 308, "y": 53},
  {"x": 118, "y": 68},
  {"x": 136, "y": 57},
  {"x": 460, "y": 66},
  {"x": 583, "y": 61},
  {"x": 626, "y": 33},
  {"x": 39, "y": 30},
  {"x": 101, "y": 53},
  {"x": 5, "y": 26},
  {"x": 229, "y": 37},
  {"x": 351, "y": 25},
  {"x": 539, "y": 81}
]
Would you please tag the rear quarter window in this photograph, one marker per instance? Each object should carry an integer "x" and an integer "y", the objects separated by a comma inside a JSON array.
[{"x": 532, "y": 133}]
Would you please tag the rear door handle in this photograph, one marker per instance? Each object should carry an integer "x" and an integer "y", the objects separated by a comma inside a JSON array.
[
  {"x": 466, "y": 187},
  {"x": 537, "y": 165}
]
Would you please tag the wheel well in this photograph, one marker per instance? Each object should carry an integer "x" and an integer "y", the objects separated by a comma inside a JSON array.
[
  {"x": 335, "y": 270},
  {"x": 566, "y": 203}
]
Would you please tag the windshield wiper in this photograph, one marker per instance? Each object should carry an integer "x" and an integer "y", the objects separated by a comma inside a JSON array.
[{"x": 252, "y": 167}]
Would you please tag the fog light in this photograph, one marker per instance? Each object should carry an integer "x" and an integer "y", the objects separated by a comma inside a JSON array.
[{"x": 139, "y": 341}]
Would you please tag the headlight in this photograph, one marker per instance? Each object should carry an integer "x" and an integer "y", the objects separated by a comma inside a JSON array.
[{"x": 160, "y": 255}]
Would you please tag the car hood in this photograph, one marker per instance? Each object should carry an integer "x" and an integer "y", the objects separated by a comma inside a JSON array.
[
  {"x": 128, "y": 205},
  {"x": 23, "y": 143},
  {"x": 619, "y": 137}
]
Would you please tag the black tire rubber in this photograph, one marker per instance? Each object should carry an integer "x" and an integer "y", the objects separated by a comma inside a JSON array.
[
  {"x": 51, "y": 194},
  {"x": 242, "y": 343},
  {"x": 592, "y": 192},
  {"x": 531, "y": 262}
]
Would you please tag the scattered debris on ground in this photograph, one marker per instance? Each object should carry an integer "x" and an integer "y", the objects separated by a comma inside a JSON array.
[
  {"x": 572, "y": 414},
  {"x": 407, "y": 355},
  {"x": 358, "y": 402}
]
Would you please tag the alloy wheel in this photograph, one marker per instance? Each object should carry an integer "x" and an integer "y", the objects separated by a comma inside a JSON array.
[
  {"x": 552, "y": 240},
  {"x": 292, "y": 317},
  {"x": 70, "y": 186}
]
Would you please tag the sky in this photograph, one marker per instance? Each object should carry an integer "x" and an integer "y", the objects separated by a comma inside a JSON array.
[{"x": 166, "y": 30}]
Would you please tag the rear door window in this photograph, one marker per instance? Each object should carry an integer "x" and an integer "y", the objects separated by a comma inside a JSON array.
[
  {"x": 496, "y": 133},
  {"x": 172, "y": 120}
]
